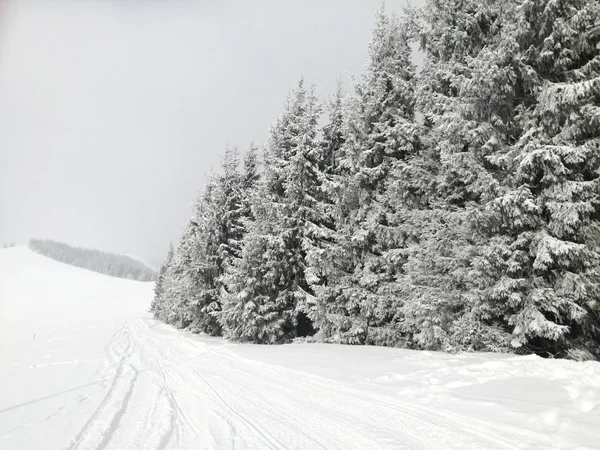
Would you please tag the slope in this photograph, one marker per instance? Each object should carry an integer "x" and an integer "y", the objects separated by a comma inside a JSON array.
[{"x": 100, "y": 374}]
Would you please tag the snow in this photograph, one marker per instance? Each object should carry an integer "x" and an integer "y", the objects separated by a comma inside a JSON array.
[
  {"x": 101, "y": 374},
  {"x": 144, "y": 261}
]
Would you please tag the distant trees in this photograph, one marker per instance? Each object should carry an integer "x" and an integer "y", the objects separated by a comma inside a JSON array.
[
  {"x": 451, "y": 208},
  {"x": 107, "y": 263},
  {"x": 8, "y": 245}
]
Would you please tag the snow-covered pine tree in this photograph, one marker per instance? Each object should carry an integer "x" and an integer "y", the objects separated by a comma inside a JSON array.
[
  {"x": 229, "y": 208},
  {"x": 549, "y": 252},
  {"x": 250, "y": 176},
  {"x": 332, "y": 140},
  {"x": 159, "y": 284},
  {"x": 173, "y": 307},
  {"x": 251, "y": 170},
  {"x": 190, "y": 288},
  {"x": 466, "y": 95},
  {"x": 266, "y": 288},
  {"x": 249, "y": 179},
  {"x": 327, "y": 247},
  {"x": 357, "y": 306},
  {"x": 218, "y": 230}
]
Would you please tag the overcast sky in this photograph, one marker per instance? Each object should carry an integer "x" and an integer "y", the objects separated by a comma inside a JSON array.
[{"x": 112, "y": 112}]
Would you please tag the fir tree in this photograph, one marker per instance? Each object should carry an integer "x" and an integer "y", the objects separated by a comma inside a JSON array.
[
  {"x": 327, "y": 243},
  {"x": 466, "y": 93},
  {"x": 267, "y": 291},
  {"x": 218, "y": 231},
  {"x": 249, "y": 179},
  {"x": 357, "y": 306},
  {"x": 203, "y": 270},
  {"x": 174, "y": 301},
  {"x": 547, "y": 245},
  {"x": 251, "y": 172},
  {"x": 160, "y": 279}
]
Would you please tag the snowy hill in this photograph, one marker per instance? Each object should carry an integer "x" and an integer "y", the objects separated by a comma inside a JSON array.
[
  {"x": 113, "y": 264},
  {"x": 144, "y": 261},
  {"x": 83, "y": 366}
]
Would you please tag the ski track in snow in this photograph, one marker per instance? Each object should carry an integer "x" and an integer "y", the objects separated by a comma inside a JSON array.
[
  {"x": 169, "y": 391},
  {"x": 155, "y": 387}
]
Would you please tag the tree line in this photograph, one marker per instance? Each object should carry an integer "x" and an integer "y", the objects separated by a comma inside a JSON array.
[
  {"x": 451, "y": 207},
  {"x": 120, "y": 266}
]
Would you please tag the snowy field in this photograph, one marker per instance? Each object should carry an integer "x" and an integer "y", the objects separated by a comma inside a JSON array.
[{"x": 83, "y": 366}]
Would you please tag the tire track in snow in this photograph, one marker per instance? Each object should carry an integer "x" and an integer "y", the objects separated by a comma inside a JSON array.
[
  {"x": 180, "y": 376},
  {"x": 281, "y": 418},
  {"x": 277, "y": 413},
  {"x": 333, "y": 421},
  {"x": 174, "y": 374},
  {"x": 422, "y": 424},
  {"x": 116, "y": 420},
  {"x": 165, "y": 439},
  {"x": 411, "y": 414},
  {"x": 157, "y": 365},
  {"x": 115, "y": 411},
  {"x": 263, "y": 435},
  {"x": 219, "y": 399},
  {"x": 150, "y": 365},
  {"x": 444, "y": 419},
  {"x": 79, "y": 437}
]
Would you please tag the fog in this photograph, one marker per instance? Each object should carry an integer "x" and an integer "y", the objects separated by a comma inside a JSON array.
[{"x": 112, "y": 112}]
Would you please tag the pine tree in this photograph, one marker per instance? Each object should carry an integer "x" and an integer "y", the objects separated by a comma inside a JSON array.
[
  {"x": 251, "y": 168},
  {"x": 266, "y": 300},
  {"x": 217, "y": 233},
  {"x": 173, "y": 307},
  {"x": 202, "y": 271},
  {"x": 357, "y": 306},
  {"x": 547, "y": 225},
  {"x": 159, "y": 284},
  {"x": 466, "y": 94},
  {"x": 327, "y": 242},
  {"x": 249, "y": 179}
]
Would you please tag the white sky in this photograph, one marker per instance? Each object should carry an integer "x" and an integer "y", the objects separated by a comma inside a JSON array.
[{"x": 112, "y": 111}]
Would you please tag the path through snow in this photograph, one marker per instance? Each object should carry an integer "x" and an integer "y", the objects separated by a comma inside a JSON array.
[{"x": 101, "y": 374}]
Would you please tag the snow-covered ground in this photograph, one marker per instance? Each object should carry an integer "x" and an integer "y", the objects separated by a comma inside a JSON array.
[{"x": 101, "y": 374}]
